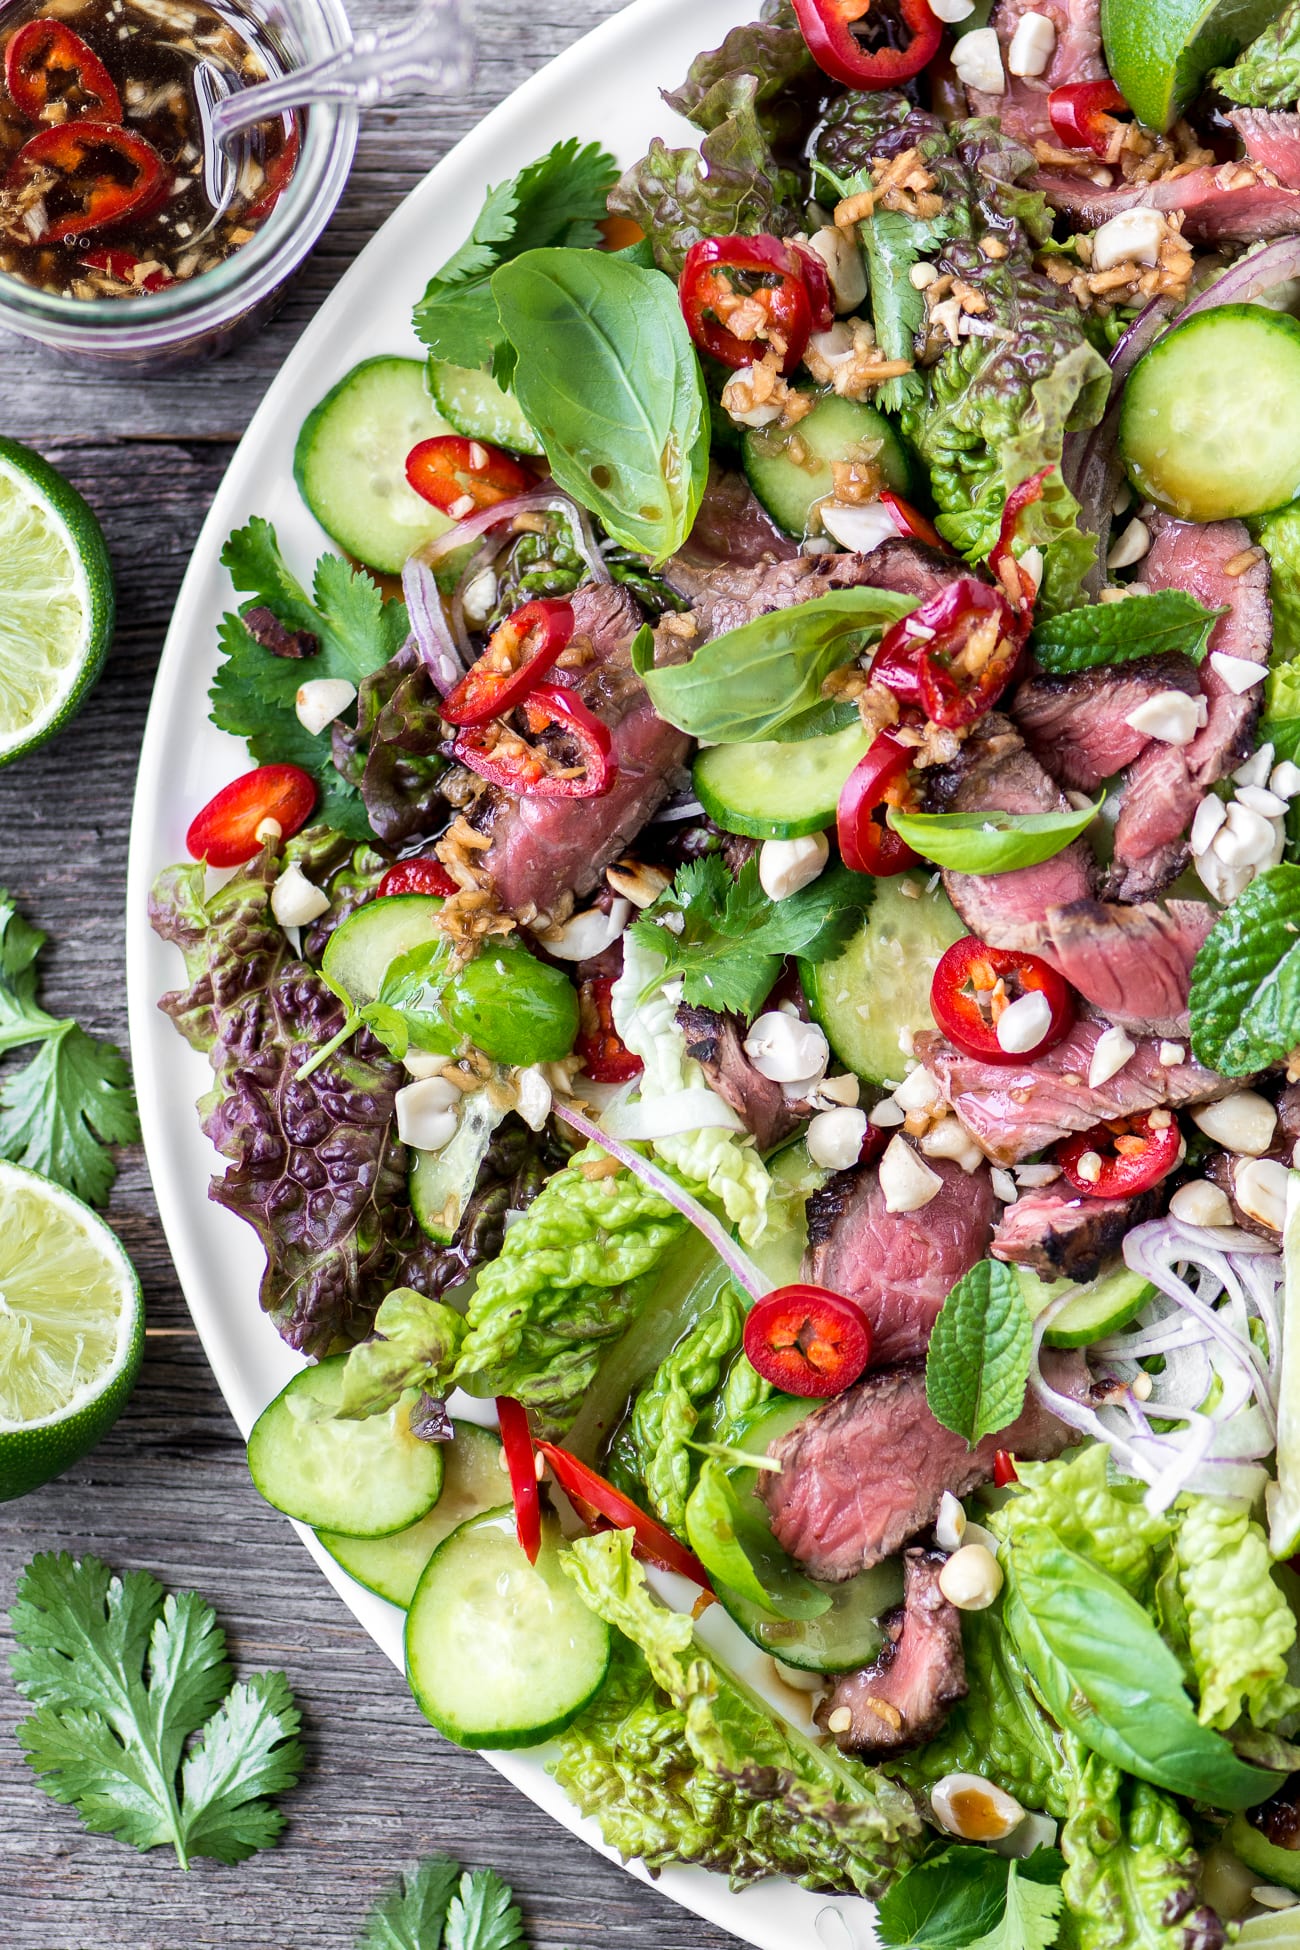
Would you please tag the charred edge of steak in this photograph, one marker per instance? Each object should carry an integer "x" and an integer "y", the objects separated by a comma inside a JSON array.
[
  {"x": 827, "y": 1207},
  {"x": 1078, "y": 1237}
]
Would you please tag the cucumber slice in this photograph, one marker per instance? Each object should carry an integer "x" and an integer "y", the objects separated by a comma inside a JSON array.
[
  {"x": 1100, "y": 1307},
  {"x": 442, "y": 1182},
  {"x": 1210, "y": 425},
  {"x": 879, "y": 988},
  {"x": 363, "y": 948},
  {"x": 842, "y": 1639},
  {"x": 501, "y": 1652},
  {"x": 350, "y": 462},
  {"x": 779, "y": 1252},
  {"x": 772, "y": 791},
  {"x": 836, "y": 429},
  {"x": 471, "y": 1483},
  {"x": 476, "y": 406},
  {"x": 366, "y": 1478}
]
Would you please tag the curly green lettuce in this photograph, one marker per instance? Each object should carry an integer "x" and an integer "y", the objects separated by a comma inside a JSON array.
[
  {"x": 1267, "y": 74},
  {"x": 716, "y": 1161},
  {"x": 1106, "y": 1521},
  {"x": 775, "y": 54},
  {"x": 1280, "y": 536},
  {"x": 651, "y": 1456},
  {"x": 680, "y": 1762},
  {"x": 1240, "y": 1627}
]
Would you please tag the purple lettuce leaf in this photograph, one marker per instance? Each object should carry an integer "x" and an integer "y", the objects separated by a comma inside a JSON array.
[{"x": 392, "y": 755}]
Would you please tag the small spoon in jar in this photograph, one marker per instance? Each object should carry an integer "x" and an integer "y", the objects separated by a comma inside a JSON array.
[{"x": 432, "y": 50}]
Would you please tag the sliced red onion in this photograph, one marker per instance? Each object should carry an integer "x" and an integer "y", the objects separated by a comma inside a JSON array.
[
  {"x": 549, "y": 500},
  {"x": 684, "y": 809},
  {"x": 738, "y": 1263},
  {"x": 429, "y": 627}
]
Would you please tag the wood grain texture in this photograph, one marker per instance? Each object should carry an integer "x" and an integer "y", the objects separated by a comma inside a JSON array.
[{"x": 168, "y": 1489}]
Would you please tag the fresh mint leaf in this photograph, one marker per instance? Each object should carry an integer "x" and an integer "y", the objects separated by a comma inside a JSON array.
[
  {"x": 1166, "y": 621},
  {"x": 559, "y": 199},
  {"x": 969, "y": 1896},
  {"x": 978, "y": 1361},
  {"x": 60, "y": 1113},
  {"x": 483, "y": 1914},
  {"x": 122, "y": 1676},
  {"x": 609, "y": 379},
  {"x": 733, "y": 938},
  {"x": 989, "y": 842},
  {"x": 412, "y": 1915},
  {"x": 1245, "y": 990},
  {"x": 746, "y": 684}
]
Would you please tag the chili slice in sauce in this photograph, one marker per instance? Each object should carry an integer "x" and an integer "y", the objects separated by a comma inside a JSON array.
[
  {"x": 600, "y": 1505},
  {"x": 502, "y": 756},
  {"x": 279, "y": 169},
  {"x": 108, "y": 172},
  {"x": 727, "y": 277},
  {"x": 462, "y": 476},
  {"x": 418, "y": 876},
  {"x": 972, "y": 985},
  {"x": 123, "y": 264},
  {"x": 521, "y": 1461},
  {"x": 827, "y": 27},
  {"x": 48, "y": 65},
  {"x": 1127, "y": 1156},
  {"x": 520, "y": 651},
  {"x": 1081, "y": 112},
  {"x": 807, "y": 1341},
  {"x": 226, "y": 832},
  {"x": 605, "y": 1056}
]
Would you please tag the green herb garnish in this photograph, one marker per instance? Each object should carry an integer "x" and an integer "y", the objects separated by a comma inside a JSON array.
[
  {"x": 1118, "y": 633},
  {"x": 978, "y": 1360}
]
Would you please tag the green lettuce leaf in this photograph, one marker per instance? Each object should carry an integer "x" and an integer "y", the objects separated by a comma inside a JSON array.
[
  {"x": 1117, "y": 633},
  {"x": 651, "y": 1456},
  {"x": 680, "y": 1762},
  {"x": 1106, "y": 1522},
  {"x": 1267, "y": 75},
  {"x": 1240, "y": 1627},
  {"x": 773, "y": 53},
  {"x": 1245, "y": 989},
  {"x": 1280, "y": 535},
  {"x": 977, "y": 1363},
  {"x": 414, "y": 1346}
]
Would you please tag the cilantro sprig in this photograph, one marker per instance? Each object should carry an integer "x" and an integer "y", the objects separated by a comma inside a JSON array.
[
  {"x": 437, "y": 1905},
  {"x": 59, "y": 1114},
  {"x": 726, "y": 939},
  {"x": 972, "y": 1899},
  {"x": 137, "y": 1723}
]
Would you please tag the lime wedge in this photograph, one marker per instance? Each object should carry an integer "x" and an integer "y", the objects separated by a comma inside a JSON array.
[
  {"x": 56, "y": 600},
  {"x": 1160, "y": 51},
  {"x": 71, "y": 1329},
  {"x": 1283, "y": 1497}
]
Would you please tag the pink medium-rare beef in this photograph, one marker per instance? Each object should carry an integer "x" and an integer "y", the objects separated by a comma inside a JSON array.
[
  {"x": 1219, "y": 203},
  {"x": 1021, "y": 109},
  {"x": 1288, "y": 1113},
  {"x": 1061, "y": 1236},
  {"x": 1134, "y": 963},
  {"x": 903, "y": 1697},
  {"x": 1015, "y": 1110},
  {"x": 714, "y": 1042},
  {"x": 1272, "y": 137},
  {"x": 863, "y": 1474},
  {"x": 729, "y": 595},
  {"x": 1077, "y": 726},
  {"x": 731, "y": 529},
  {"x": 544, "y": 850},
  {"x": 899, "y": 1266}
]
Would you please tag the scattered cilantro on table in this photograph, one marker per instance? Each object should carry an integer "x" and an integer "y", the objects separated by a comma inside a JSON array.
[
  {"x": 73, "y": 1099},
  {"x": 732, "y": 937},
  {"x": 436, "y": 1905},
  {"x": 358, "y": 630},
  {"x": 137, "y": 1723}
]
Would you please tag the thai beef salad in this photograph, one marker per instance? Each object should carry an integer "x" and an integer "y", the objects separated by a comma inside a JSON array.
[{"x": 775, "y": 960}]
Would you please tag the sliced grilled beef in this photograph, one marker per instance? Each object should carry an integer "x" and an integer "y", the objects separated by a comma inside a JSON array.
[
  {"x": 1288, "y": 1113},
  {"x": 866, "y": 1472},
  {"x": 1062, "y": 1236},
  {"x": 714, "y": 1041},
  {"x": 1219, "y": 203},
  {"x": 1077, "y": 56},
  {"x": 898, "y": 1266},
  {"x": 1271, "y": 137},
  {"x": 544, "y": 850},
  {"x": 1132, "y": 963},
  {"x": 1077, "y": 726},
  {"x": 1014, "y": 1110},
  {"x": 732, "y": 528},
  {"x": 903, "y": 1697},
  {"x": 1168, "y": 782},
  {"x": 731, "y": 594}
]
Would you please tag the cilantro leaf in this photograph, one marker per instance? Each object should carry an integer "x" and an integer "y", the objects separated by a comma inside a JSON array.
[
  {"x": 1118, "y": 633},
  {"x": 483, "y": 1914},
  {"x": 74, "y": 1098},
  {"x": 970, "y": 1899},
  {"x": 358, "y": 630},
  {"x": 559, "y": 199},
  {"x": 411, "y": 1916},
  {"x": 1245, "y": 990},
  {"x": 977, "y": 1365},
  {"x": 732, "y": 937},
  {"x": 122, "y": 1676}
]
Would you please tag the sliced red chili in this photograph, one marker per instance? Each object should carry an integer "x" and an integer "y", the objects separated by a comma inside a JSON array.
[
  {"x": 419, "y": 876},
  {"x": 1119, "y": 1159},
  {"x": 461, "y": 476},
  {"x": 1081, "y": 114},
  {"x": 600, "y": 1505},
  {"x": 1020, "y": 587},
  {"x": 520, "y": 652},
  {"x": 123, "y": 264},
  {"x": 827, "y": 26},
  {"x": 521, "y": 1461},
  {"x": 226, "y": 832},
  {"x": 867, "y": 845},
  {"x": 279, "y": 168},
  {"x": 807, "y": 1341},
  {"x": 605, "y": 1056},
  {"x": 1004, "y": 1469},
  {"x": 725, "y": 278},
  {"x": 972, "y": 985},
  {"x": 103, "y": 172},
  {"x": 910, "y": 521},
  {"x": 954, "y": 655},
  {"x": 576, "y": 764},
  {"x": 48, "y": 65}
]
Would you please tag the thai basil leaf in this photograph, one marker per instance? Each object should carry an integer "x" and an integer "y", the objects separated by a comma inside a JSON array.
[
  {"x": 745, "y": 684},
  {"x": 1104, "y": 1673},
  {"x": 730, "y": 1534},
  {"x": 1119, "y": 633},
  {"x": 608, "y": 377},
  {"x": 990, "y": 842},
  {"x": 969, "y": 1897},
  {"x": 1245, "y": 991},
  {"x": 978, "y": 1360}
]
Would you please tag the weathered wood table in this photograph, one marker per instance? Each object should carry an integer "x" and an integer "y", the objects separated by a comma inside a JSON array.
[{"x": 168, "y": 1489}]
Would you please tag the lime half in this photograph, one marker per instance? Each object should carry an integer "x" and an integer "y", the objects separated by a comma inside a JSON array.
[
  {"x": 71, "y": 1329},
  {"x": 1160, "y": 51},
  {"x": 56, "y": 600}
]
